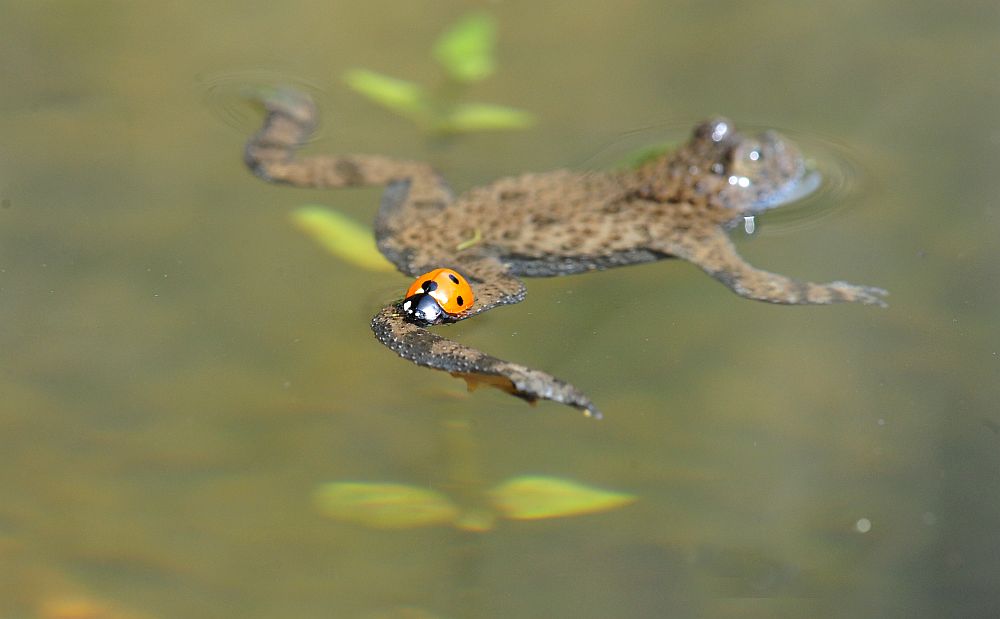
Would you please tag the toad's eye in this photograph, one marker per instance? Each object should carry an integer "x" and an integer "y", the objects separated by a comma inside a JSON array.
[{"x": 438, "y": 294}]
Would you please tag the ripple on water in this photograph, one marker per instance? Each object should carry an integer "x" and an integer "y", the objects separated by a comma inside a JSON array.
[
  {"x": 841, "y": 182},
  {"x": 833, "y": 183},
  {"x": 231, "y": 96}
]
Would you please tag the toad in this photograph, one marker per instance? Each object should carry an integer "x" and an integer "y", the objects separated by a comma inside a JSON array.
[{"x": 484, "y": 241}]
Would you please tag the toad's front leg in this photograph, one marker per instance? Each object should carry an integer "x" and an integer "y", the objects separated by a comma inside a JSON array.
[
  {"x": 710, "y": 248},
  {"x": 422, "y": 347}
]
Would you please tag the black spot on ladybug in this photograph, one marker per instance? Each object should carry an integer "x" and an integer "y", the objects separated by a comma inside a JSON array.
[
  {"x": 459, "y": 301},
  {"x": 430, "y": 286},
  {"x": 454, "y": 279}
]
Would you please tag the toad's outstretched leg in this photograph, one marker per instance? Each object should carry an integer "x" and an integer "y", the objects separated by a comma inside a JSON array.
[
  {"x": 412, "y": 189},
  {"x": 430, "y": 350},
  {"x": 290, "y": 119},
  {"x": 710, "y": 248},
  {"x": 494, "y": 286}
]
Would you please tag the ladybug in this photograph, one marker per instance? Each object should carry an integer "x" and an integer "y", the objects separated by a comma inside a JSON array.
[{"x": 436, "y": 296}]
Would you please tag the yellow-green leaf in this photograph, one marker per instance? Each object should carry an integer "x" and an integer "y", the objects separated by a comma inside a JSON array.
[
  {"x": 535, "y": 497},
  {"x": 466, "y": 49},
  {"x": 341, "y": 236},
  {"x": 485, "y": 116},
  {"x": 404, "y": 98},
  {"x": 385, "y": 506}
]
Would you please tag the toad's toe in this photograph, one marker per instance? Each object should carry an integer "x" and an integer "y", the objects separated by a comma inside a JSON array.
[{"x": 853, "y": 293}]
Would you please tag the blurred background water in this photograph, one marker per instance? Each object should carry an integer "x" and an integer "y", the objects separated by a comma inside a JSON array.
[{"x": 180, "y": 368}]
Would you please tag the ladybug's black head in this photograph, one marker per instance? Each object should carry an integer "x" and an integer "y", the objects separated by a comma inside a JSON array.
[{"x": 423, "y": 309}]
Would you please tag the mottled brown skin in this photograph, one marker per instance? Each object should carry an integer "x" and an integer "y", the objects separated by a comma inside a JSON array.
[{"x": 553, "y": 223}]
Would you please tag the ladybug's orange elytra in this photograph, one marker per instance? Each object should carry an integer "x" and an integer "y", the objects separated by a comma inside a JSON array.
[{"x": 452, "y": 292}]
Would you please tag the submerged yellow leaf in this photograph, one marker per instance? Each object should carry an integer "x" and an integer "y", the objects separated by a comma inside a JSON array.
[
  {"x": 535, "y": 497},
  {"x": 341, "y": 236},
  {"x": 385, "y": 506}
]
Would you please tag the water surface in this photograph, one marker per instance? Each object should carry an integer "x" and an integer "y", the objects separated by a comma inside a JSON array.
[{"x": 181, "y": 368}]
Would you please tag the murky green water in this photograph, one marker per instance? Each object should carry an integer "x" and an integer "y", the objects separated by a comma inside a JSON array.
[{"x": 180, "y": 368}]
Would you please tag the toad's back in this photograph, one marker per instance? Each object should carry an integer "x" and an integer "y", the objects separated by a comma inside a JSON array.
[{"x": 564, "y": 222}]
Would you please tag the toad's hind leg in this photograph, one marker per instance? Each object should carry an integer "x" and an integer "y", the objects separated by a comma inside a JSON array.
[
  {"x": 494, "y": 286},
  {"x": 433, "y": 351},
  {"x": 291, "y": 117},
  {"x": 710, "y": 248}
]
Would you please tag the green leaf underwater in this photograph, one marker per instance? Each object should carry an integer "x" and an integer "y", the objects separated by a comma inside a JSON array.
[
  {"x": 468, "y": 117},
  {"x": 400, "y": 96},
  {"x": 466, "y": 49}
]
